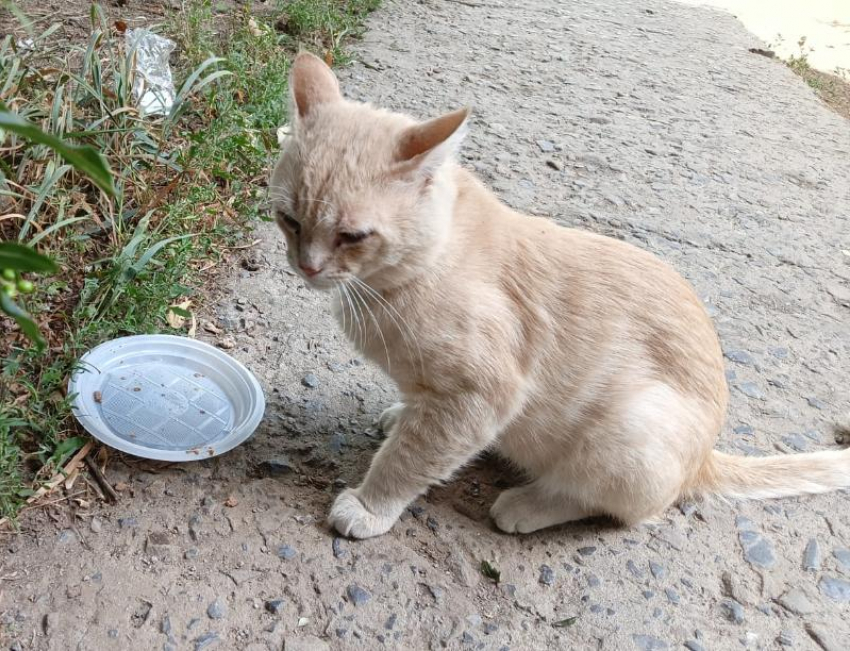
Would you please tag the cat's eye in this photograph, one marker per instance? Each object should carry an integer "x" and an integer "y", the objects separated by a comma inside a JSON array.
[
  {"x": 289, "y": 222},
  {"x": 353, "y": 238}
]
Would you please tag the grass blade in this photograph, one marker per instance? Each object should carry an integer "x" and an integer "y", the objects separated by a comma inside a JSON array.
[{"x": 23, "y": 258}]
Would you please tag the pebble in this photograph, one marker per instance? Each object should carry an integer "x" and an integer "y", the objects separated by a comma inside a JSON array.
[
  {"x": 286, "y": 552},
  {"x": 751, "y": 390},
  {"x": 113, "y": 633},
  {"x": 227, "y": 343},
  {"x": 546, "y": 145},
  {"x": 835, "y": 588},
  {"x": 276, "y": 467},
  {"x": 587, "y": 551},
  {"x": 785, "y": 638},
  {"x": 275, "y": 606},
  {"x": 216, "y": 610},
  {"x": 128, "y": 523},
  {"x": 743, "y": 430},
  {"x": 547, "y": 575},
  {"x": 693, "y": 645},
  {"x": 672, "y": 596},
  {"x": 310, "y": 381},
  {"x": 843, "y": 557},
  {"x": 796, "y": 442},
  {"x": 739, "y": 356},
  {"x": 758, "y": 550},
  {"x": 812, "y": 556},
  {"x": 191, "y": 554},
  {"x": 96, "y": 525},
  {"x": 648, "y": 594},
  {"x": 357, "y": 595},
  {"x": 649, "y": 643},
  {"x": 733, "y": 611},
  {"x": 657, "y": 569},
  {"x": 338, "y": 550},
  {"x": 817, "y": 404},
  {"x": 490, "y": 628},
  {"x": 634, "y": 569},
  {"x": 205, "y": 640},
  {"x": 390, "y": 623}
]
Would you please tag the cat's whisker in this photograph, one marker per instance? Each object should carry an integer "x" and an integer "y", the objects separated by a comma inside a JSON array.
[
  {"x": 339, "y": 289},
  {"x": 365, "y": 304},
  {"x": 357, "y": 315},
  {"x": 406, "y": 332}
]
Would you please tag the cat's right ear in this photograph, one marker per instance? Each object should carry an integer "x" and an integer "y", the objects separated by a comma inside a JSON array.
[
  {"x": 425, "y": 147},
  {"x": 311, "y": 83}
]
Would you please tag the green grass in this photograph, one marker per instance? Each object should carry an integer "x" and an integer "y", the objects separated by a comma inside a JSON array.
[{"x": 188, "y": 186}]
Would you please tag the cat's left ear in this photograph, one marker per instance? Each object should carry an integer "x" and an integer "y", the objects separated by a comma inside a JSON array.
[
  {"x": 425, "y": 147},
  {"x": 311, "y": 83}
]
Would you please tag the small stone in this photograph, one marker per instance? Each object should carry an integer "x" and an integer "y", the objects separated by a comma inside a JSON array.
[
  {"x": 226, "y": 343},
  {"x": 648, "y": 594},
  {"x": 128, "y": 523},
  {"x": 205, "y": 640},
  {"x": 843, "y": 557},
  {"x": 672, "y": 596},
  {"x": 649, "y": 643},
  {"x": 310, "y": 381},
  {"x": 758, "y": 550},
  {"x": 835, "y": 588},
  {"x": 357, "y": 595},
  {"x": 817, "y": 404},
  {"x": 96, "y": 525},
  {"x": 743, "y": 430},
  {"x": 431, "y": 523},
  {"x": 547, "y": 575},
  {"x": 751, "y": 390},
  {"x": 338, "y": 550},
  {"x": 687, "y": 508},
  {"x": 634, "y": 569},
  {"x": 390, "y": 623},
  {"x": 778, "y": 353},
  {"x": 191, "y": 554},
  {"x": 796, "y": 442},
  {"x": 546, "y": 146},
  {"x": 739, "y": 356},
  {"x": 693, "y": 645},
  {"x": 286, "y": 552},
  {"x": 467, "y": 638},
  {"x": 275, "y": 606},
  {"x": 66, "y": 536},
  {"x": 587, "y": 551},
  {"x": 276, "y": 467},
  {"x": 216, "y": 610},
  {"x": 796, "y": 601},
  {"x": 165, "y": 625},
  {"x": 657, "y": 569},
  {"x": 555, "y": 165},
  {"x": 593, "y": 581},
  {"x": 812, "y": 556},
  {"x": 490, "y": 628},
  {"x": 733, "y": 611}
]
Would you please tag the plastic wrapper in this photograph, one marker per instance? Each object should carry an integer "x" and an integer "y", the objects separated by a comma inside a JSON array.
[{"x": 153, "y": 87}]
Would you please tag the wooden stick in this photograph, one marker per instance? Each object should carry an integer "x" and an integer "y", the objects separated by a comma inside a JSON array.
[{"x": 101, "y": 480}]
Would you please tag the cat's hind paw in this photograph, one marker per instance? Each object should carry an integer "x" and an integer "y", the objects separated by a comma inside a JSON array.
[{"x": 351, "y": 518}]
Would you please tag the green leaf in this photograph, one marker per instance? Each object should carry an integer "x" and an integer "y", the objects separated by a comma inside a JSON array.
[
  {"x": 22, "y": 318},
  {"x": 85, "y": 159},
  {"x": 68, "y": 447},
  {"x": 179, "y": 311},
  {"x": 490, "y": 572},
  {"x": 23, "y": 258},
  {"x": 565, "y": 623}
]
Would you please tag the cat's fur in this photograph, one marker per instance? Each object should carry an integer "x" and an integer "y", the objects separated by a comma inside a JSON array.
[{"x": 586, "y": 361}]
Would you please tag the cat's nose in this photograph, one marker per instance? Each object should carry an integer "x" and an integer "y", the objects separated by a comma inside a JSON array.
[{"x": 310, "y": 271}]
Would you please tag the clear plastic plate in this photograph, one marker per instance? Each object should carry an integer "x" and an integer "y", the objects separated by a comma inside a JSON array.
[{"x": 165, "y": 397}]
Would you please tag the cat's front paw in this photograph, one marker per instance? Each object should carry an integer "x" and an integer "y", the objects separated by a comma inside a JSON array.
[
  {"x": 351, "y": 518},
  {"x": 389, "y": 417}
]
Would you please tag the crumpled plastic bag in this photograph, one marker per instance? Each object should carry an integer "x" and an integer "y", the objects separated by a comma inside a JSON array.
[{"x": 153, "y": 87}]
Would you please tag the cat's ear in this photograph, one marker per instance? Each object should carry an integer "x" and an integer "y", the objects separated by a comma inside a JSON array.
[
  {"x": 311, "y": 82},
  {"x": 426, "y": 146}
]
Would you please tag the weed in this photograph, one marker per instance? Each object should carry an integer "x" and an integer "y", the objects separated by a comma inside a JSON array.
[{"x": 186, "y": 186}]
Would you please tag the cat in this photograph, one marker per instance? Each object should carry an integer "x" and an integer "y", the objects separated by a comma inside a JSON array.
[{"x": 586, "y": 361}]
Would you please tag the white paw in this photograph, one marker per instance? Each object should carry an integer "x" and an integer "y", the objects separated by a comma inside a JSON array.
[
  {"x": 351, "y": 518},
  {"x": 389, "y": 417},
  {"x": 510, "y": 511}
]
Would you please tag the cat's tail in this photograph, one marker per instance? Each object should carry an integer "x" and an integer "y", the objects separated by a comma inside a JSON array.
[{"x": 777, "y": 476}]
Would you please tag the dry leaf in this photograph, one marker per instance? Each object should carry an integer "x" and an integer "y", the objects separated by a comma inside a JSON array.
[
  {"x": 174, "y": 318},
  {"x": 120, "y": 26},
  {"x": 329, "y": 58},
  {"x": 231, "y": 501},
  {"x": 121, "y": 486}
]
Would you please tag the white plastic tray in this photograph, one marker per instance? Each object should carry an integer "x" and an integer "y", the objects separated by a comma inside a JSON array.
[{"x": 165, "y": 397}]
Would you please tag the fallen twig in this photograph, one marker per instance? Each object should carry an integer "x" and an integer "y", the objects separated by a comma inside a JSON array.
[{"x": 101, "y": 481}]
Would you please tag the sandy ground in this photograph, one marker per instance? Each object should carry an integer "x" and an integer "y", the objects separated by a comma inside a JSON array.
[
  {"x": 648, "y": 121},
  {"x": 825, "y": 24}
]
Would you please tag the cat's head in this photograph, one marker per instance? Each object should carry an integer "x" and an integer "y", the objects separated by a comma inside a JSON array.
[{"x": 360, "y": 192}]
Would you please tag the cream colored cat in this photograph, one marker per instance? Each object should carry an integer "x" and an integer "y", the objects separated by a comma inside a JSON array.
[{"x": 587, "y": 362}]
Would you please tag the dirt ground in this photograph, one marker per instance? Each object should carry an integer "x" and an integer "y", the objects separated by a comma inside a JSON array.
[{"x": 648, "y": 121}]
